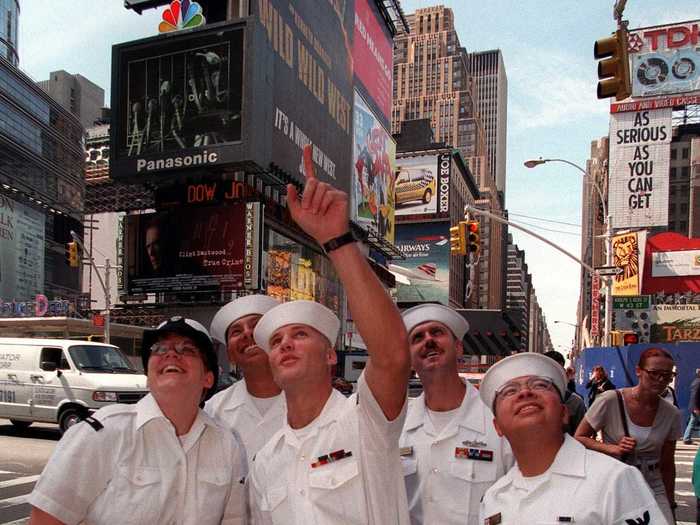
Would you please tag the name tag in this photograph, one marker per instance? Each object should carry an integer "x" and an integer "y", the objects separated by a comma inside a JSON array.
[
  {"x": 493, "y": 520},
  {"x": 406, "y": 451},
  {"x": 565, "y": 519},
  {"x": 477, "y": 454},
  {"x": 475, "y": 444}
]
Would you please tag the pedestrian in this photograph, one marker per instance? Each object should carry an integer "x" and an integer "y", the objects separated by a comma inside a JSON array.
[
  {"x": 555, "y": 479},
  {"x": 253, "y": 407},
  {"x": 598, "y": 383},
  {"x": 161, "y": 460},
  {"x": 574, "y": 402},
  {"x": 693, "y": 408},
  {"x": 570, "y": 378},
  {"x": 449, "y": 449},
  {"x": 639, "y": 428},
  {"x": 696, "y": 485},
  {"x": 336, "y": 459}
]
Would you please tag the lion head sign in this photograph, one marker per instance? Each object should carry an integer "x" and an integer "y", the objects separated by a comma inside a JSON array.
[{"x": 628, "y": 254}]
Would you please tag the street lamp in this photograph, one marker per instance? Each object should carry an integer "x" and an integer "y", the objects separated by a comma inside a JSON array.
[
  {"x": 565, "y": 322},
  {"x": 532, "y": 163}
]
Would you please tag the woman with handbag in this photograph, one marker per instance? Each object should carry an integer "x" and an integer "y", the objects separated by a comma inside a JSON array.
[{"x": 638, "y": 428}]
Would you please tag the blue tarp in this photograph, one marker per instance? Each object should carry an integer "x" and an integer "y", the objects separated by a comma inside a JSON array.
[{"x": 620, "y": 364}]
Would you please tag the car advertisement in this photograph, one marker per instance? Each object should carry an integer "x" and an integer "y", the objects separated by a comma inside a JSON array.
[
  {"x": 374, "y": 153},
  {"x": 424, "y": 275},
  {"x": 422, "y": 186}
]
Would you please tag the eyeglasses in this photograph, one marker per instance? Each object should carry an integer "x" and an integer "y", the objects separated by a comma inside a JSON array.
[
  {"x": 182, "y": 349},
  {"x": 660, "y": 375},
  {"x": 533, "y": 383}
]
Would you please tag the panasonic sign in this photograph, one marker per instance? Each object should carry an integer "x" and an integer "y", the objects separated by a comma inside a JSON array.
[
  {"x": 445, "y": 163},
  {"x": 178, "y": 161}
]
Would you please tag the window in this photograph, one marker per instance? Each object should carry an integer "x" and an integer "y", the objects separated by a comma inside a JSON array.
[
  {"x": 673, "y": 173},
  {"x": 685, "y": 153},
  {"x": 674, "y": 153}
]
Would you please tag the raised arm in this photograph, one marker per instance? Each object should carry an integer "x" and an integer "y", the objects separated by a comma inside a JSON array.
[{"x": 322, "y": 212}]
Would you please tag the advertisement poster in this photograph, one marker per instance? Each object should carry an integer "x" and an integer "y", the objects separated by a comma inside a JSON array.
[
  {"x": 665, "y": 60},
  {"x": 202, "y": 250},
  {"x": 179, "y": 102},
  {"x": 628, "y": 254},
  {"x": 22, "y": 239},
  {"x": 595, "y": 305},
  {"x": 672, "y": 323},
  {"x": 374, "y": 153},
  {"x": 424, "y": 275},
  {"x": 373, "y": 55},
  {"x": 311, "y": 46},
  {"x": 640, "y": 150},
  {"x": 675, "y": 264}
]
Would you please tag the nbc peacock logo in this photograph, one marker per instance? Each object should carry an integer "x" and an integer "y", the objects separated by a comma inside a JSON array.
[{"x": 182, "y": 14}]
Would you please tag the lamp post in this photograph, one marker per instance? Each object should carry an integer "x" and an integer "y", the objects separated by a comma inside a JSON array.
[
  {"x": 532, "y": 163},
  {"x": 565, "y": 322}
]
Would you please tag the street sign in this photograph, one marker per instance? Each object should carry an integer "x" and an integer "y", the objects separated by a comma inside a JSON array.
[
  {"x": 604, "y": 271},
  {"x": 632, "y": 302}
]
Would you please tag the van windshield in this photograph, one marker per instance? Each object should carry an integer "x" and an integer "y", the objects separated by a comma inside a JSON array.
[{"x": 101, "y": 359}]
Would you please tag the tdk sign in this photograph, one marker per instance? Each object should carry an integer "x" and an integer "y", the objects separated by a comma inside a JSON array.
[{"x": 179, "y": 161}]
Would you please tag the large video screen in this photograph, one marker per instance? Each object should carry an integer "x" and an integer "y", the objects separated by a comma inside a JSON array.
[
  {"x": 177, "y": 101},
  {"x": 208, "y": 248}
]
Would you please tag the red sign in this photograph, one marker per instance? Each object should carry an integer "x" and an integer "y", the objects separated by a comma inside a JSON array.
[
  {"x": 98, "y": 320},
  {"x": 373, "y": 57},
  {"x": 668, "y": 242},
  {"x": 595, "y": 305},
  {"x": 672, "y": 37},
  {"x": 655, "y": 103}
]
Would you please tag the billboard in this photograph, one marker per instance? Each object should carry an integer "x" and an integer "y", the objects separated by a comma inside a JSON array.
[
  {"x": 373, "y": 56},
  {"x": 310, "y": 47},
  {"x": 22, "y": 241},
  {"x": 177, "y": 102},
  {"x": 422, "y": 185},
  {"x": 424, "y": 275},
  {"x": 639, "y": 168},
  {"x": 665, "y": 60},
  {"x": 672, "y": 323},
  {"x": 675, "y": 264},
  {"x": 372, "y": 189},
  {"x": 628, "y": 254},
  {"x": 204, "y": 249},
  {"x": 595, "y": 304}
]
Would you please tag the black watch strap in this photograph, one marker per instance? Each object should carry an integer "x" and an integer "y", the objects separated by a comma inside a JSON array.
[{"x": 339, "y": 241}]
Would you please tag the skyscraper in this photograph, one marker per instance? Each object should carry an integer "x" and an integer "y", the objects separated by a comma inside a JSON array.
[
  {"x": 489, "y": 74},
  {"x": 9, "y": 18},
  {"x": 77, "y": 94}
]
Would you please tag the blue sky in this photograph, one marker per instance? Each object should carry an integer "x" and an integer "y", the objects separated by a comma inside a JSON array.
[{"x": 552, "y": 109}]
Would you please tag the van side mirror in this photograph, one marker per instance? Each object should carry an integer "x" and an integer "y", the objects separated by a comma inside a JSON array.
[{"x": 48, "y": 366}]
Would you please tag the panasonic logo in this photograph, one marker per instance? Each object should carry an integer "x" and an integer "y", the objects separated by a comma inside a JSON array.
[{"x": 177, "y": 162}]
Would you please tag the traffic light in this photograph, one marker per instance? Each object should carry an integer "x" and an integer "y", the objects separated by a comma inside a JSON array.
[
  {"x": 623, "y": 338},
  {"x": 614, "y": 68},
  {"x": 72, "y": 254},
  {"x": 630, "y": 338},
  {"x": 473, "y": 239},
  {"x": 458, "y": 239}
]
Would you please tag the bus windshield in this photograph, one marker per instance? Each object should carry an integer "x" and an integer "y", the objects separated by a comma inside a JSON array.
[{"x": 101, "y": 359}]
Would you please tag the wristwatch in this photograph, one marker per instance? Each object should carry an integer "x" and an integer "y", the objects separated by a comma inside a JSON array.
[{"x": 339, "y": 241}]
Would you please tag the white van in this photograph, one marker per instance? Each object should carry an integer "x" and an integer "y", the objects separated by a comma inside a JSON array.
[{"x": 62, "y": 381}]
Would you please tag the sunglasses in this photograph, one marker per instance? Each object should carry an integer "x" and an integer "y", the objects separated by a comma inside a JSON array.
[
  {"x": 660, "y": 375},
  {"x": 181, "y": 349},
  {"x": 534, "y": 384}
]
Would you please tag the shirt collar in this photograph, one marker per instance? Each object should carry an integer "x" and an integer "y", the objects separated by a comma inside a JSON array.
[
  {"x": 238, "y": 396},
  {"x": 472, "y": 412},
  {"x": 330, "y": 413},
  {"x": 571, "y": 459},
  {"x": 148, "y": 410}
]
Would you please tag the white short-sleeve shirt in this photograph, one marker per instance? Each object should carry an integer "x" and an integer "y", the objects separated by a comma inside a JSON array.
[
  {"x": 235, "y": 409},
  {"x": 136, "y": 470},
  {"x": 294, "y": 482},
  {"x": 448, "y": 472},
  {"x": 581, "y": 486}
]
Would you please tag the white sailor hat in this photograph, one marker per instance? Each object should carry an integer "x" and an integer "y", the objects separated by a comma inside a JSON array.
[
  {"x": 248, "y": 305},
  {"x": 435, "y": 312},
  {"x": 310, "y": 313},
  {"x": 518, "y": 365}
]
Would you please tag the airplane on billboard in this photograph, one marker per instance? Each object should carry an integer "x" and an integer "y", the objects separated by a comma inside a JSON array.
[{"x": 424, "y": 272}]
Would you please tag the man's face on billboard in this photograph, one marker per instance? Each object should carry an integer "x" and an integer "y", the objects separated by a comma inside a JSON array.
[{"x": 153, "y": 248}]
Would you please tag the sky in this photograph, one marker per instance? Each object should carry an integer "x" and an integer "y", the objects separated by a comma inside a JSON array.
[{"x": 552, "y": 108}]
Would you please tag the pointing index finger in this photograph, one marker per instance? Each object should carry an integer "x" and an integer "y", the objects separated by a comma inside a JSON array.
[{"x": 309, "y": 162}]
